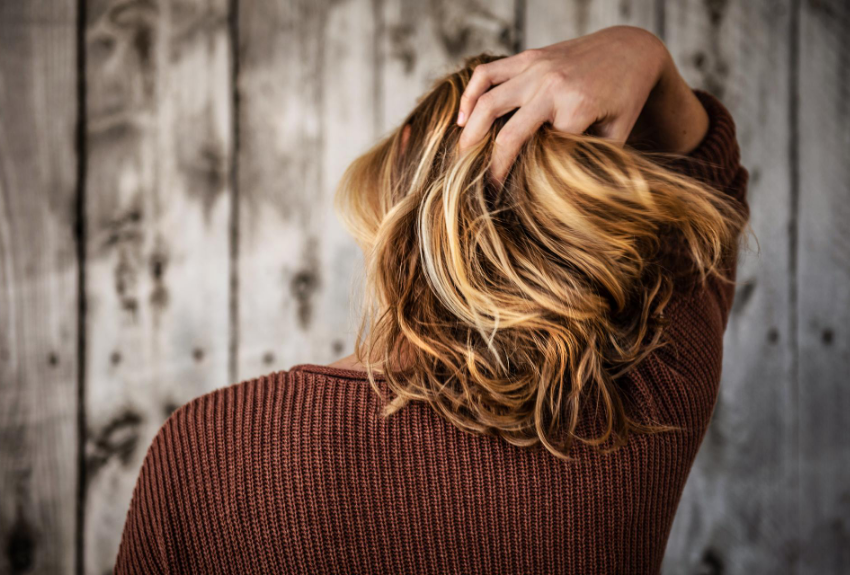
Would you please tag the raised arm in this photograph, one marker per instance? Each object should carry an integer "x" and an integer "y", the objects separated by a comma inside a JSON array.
[
  {"x": 672, "y": 118},
  {"x": 619, "y": 83}
]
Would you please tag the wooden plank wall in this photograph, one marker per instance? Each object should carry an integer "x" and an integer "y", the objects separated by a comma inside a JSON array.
[
  {"x": 157, "y": 207},
  {"x": 39, "y": 272},
  {"x": 822, "y": 284},
  {"x": 166, "y": 175},
  {"x": 738, "y": 514}
]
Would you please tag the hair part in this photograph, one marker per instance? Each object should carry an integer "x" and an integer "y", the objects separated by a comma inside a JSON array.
[{"x": 516, "y": 308}]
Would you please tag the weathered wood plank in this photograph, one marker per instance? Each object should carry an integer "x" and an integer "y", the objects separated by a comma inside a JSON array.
[
  {"x": 823, "y": 282},
  {"x": 310, "y": 101},
  {"x": 548, "y": 22},
  {"x": 737, "y": 514},
  {"x": 158, "y": 208},
  {"x": 38, "y": 287},
  {"x": 306, "y": 109},
  {"x": 421, "y": 41},
  {"x": 349, "y": 112}
]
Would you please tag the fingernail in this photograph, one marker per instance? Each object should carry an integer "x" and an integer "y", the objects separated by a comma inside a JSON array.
[{"x": 461, "y": 117}]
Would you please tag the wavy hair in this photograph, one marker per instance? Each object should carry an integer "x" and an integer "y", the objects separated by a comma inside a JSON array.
[{"x": 513, "y": 308}]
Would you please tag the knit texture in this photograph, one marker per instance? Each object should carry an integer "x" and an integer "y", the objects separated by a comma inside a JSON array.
[{"x": 297, "y": 471}]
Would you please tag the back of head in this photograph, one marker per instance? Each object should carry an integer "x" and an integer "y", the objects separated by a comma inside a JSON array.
[{"x": 511, "y": 307}]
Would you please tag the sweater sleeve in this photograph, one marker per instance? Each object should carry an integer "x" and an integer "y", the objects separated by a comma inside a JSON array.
[
  {"x": 716, "y": 162},
  {"x": 698, "y": 315},
  {"x": 193, "y": 505}
]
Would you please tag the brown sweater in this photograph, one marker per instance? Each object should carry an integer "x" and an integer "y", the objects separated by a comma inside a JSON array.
[{"x": 297, "y": 472}]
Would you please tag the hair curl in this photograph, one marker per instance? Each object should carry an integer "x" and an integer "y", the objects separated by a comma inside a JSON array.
[{"x": 511, "y": 307}]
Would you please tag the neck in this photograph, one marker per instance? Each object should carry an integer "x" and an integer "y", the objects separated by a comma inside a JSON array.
[
  {"x": 348, "y": 362},
  {"x": 351, "y": 362}
]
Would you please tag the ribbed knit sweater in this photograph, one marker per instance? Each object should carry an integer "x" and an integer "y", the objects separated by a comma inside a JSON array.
[{"x": 297, "y": 471}]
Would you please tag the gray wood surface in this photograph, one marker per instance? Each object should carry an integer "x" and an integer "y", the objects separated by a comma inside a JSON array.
[
  {"x": 738, "y": 511},
  {"x": 215, "y": 132},
  {"x": 292, "y": 260},
  {"x": 823, "y": 287},
  {"x": 547, "y": 22},
  {"x": 38, "y": 287},
  {"x": 157, "y": 248},
  {"x": 317, "y": 83},
  {"x": 422, "y": 41}
]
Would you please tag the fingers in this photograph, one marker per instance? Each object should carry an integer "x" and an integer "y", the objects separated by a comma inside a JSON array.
[
  {"x": 515, "y": 133},
  {"x": 617, "y": 131},
  {"x": 572, "y": 113},
  {"x": 484, "y": 76},
  {"x": 495, "y": 103}
]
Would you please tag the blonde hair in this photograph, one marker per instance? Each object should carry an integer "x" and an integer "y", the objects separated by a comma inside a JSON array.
[{"x": 511, "y": 308}]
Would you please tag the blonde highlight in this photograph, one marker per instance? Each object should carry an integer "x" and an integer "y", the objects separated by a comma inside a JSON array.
[{"x": 510, "y": 308}]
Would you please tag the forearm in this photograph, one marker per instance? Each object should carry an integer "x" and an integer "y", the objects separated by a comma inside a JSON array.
[{"x": 672, "y": 119}]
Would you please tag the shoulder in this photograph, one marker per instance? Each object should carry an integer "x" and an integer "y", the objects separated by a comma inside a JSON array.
[
  {"x": 188, "y": 471},
  {"x": 231, "y": 421},
  {"x": 224, "y": 459},
  {"x": 205, "y": 430},
  {"x": 210, "y": 426}
]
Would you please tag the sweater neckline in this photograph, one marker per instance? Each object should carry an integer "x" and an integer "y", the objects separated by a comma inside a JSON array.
[{"x": 334, "y": 371}]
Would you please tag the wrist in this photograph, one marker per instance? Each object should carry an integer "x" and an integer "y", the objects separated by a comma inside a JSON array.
[{"x": 673, "y": 119}]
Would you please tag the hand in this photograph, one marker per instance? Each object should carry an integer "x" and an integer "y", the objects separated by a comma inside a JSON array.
[{"x": 598, "y": 83}]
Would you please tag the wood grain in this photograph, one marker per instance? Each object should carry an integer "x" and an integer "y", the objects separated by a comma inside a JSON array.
[
  {"x": 823, "y": 283},
  {"x": 158, "y": 206},
  {"x": 422, "y": 41},
  {"x": 306, "y": 108},
  {"x": 550, "y": 22},
  {"x": 38, "y": 287},
  {"x": 318, "y": 82},
  {"x": 737, "y": 514}
]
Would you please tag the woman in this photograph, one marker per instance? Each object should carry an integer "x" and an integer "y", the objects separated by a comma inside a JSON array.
[{"x": 550, "y": 241}]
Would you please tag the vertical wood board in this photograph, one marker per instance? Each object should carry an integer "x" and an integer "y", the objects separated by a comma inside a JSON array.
[
  {"x": 737, "y": 513},
  {"x": 422, "y": 41},
  {"x": 38, "y": 287},
  {"x": 306, "y": 109},
  {"x": 158, "y": 204},
  {"x": 550, "y": 22},
  {"x": 823, "y": 283}
]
